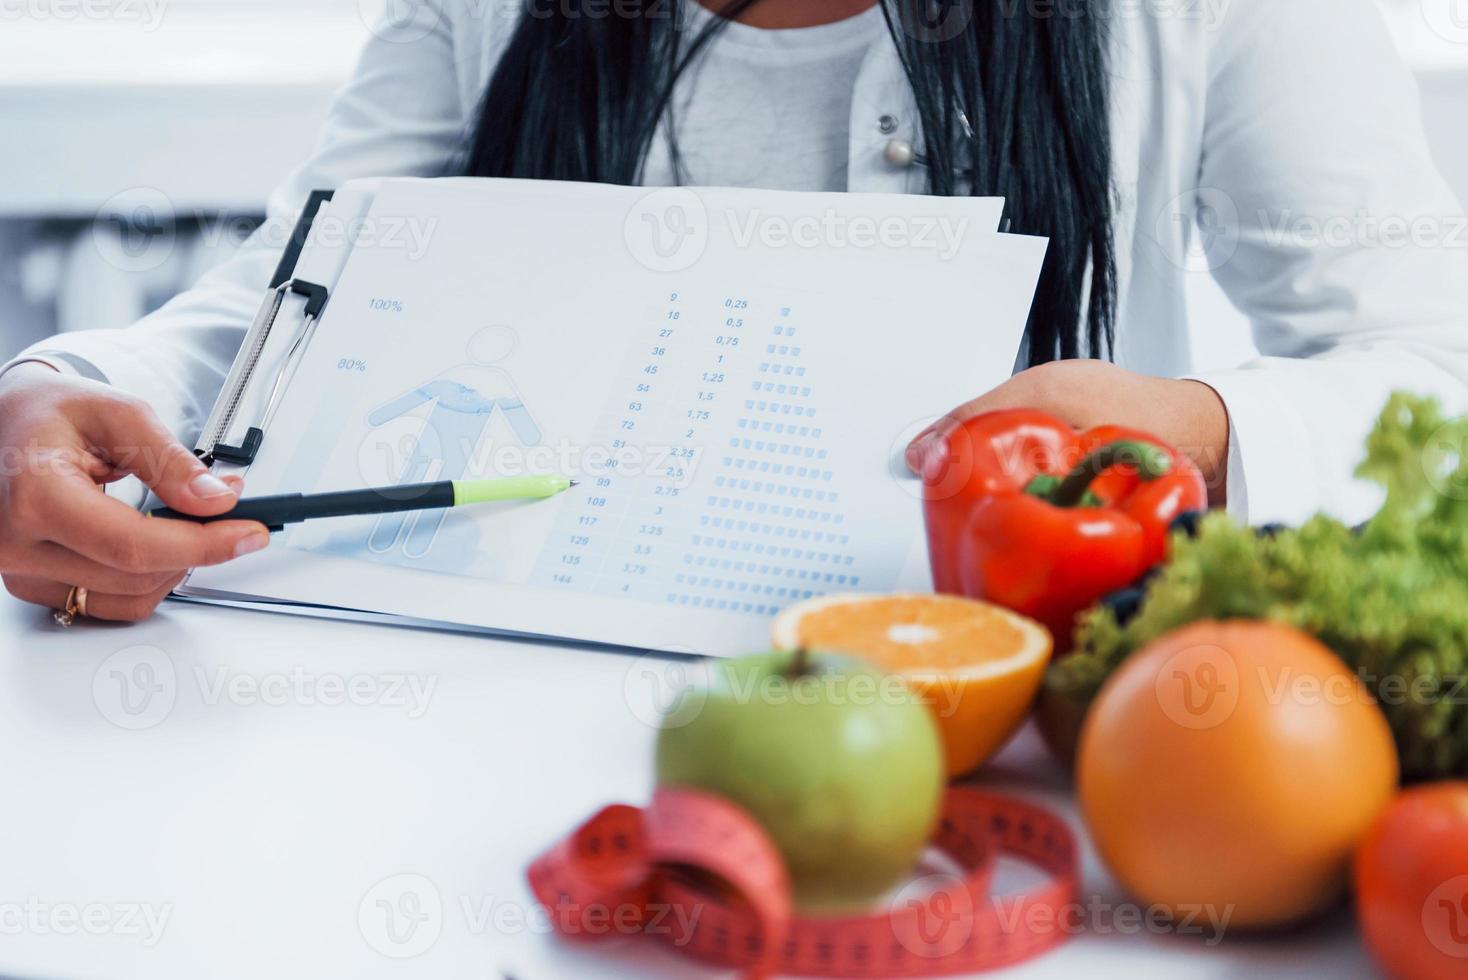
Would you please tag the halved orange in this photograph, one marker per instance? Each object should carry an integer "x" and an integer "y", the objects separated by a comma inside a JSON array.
[{"x": 977, "y": 666}]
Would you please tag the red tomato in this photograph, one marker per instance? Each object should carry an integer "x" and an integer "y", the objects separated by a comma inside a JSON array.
[{"x": 1412, "y": 884}]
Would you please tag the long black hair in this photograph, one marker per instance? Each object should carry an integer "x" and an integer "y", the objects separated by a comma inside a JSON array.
[{"x": 1012, "y": 97}]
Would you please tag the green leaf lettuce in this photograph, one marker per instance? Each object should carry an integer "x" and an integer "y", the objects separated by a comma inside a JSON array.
[{"x": 1391, "y": 599}]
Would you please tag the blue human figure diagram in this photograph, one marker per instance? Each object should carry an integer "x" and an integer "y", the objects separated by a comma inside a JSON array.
[{"x": 464, "y": 400}]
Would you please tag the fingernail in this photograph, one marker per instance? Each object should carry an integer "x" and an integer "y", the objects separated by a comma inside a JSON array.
[
  {"x": 208, "y": 485},
  {"x": 917, "y": 450},
  {"x": 251, "y": 544}
]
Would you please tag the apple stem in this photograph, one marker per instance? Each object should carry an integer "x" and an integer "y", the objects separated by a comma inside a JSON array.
[{"x": 800, "y": 662}]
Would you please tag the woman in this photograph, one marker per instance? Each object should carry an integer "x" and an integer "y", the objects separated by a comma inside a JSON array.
[{"x": 1108, "y": 127}]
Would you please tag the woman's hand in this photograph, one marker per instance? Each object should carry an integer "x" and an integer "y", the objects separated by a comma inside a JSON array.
[
  {"x": 61, "y": 439},
  {"x": 1187, "y": 414}
]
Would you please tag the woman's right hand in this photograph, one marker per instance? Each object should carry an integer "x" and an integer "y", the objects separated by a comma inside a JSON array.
[{"x": 61, "y": 440}]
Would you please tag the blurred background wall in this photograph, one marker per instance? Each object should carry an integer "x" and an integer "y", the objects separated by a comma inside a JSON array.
[{"x": 141, "y": 137}]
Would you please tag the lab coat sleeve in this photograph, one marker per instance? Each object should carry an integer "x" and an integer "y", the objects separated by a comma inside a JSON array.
[
  {"x": 401, "y": 114},
  {"x": 1329, "y": 226}
]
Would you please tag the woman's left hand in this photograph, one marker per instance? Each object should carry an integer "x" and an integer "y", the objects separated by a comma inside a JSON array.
[{"x": 1187, "y": 414}]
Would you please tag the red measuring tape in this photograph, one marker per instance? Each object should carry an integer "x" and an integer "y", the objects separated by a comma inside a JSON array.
[{"x": 701, "y": 861}]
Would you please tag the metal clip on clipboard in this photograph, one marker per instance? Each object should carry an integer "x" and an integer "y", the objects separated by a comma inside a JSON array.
[{"x": 211, "y": 446}]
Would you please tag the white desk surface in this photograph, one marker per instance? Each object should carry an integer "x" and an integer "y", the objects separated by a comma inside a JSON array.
[{"x": 260, "y": 821}]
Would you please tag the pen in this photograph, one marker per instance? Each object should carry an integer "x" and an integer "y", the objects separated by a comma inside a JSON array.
[{"x": 278, "y": 510}]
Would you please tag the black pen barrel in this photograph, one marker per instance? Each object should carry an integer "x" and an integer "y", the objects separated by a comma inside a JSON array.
[
  {"x": 380, "y": 500},
  {"x": 280, "y": 509},
  {"x": 272, "y": 511}
]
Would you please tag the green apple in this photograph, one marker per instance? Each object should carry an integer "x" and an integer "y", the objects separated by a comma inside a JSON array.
[{"x": 840, "y": 763}]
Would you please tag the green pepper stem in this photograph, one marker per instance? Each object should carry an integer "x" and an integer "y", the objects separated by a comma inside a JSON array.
[{"x": 1150, "y": 460}]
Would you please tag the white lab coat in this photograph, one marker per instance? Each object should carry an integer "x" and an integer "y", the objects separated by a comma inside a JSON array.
[{"x": 1290, "y": 127}]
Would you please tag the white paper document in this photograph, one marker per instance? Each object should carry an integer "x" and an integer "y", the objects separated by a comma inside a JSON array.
[{"x": 730, "y": 375}]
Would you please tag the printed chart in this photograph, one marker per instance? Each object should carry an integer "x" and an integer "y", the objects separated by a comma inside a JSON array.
[{"x": 721, "y": 487}]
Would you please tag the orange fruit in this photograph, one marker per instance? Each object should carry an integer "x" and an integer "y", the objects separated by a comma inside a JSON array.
[
  {"x": 1235, "y": 767},
  {"x": 975, "y": 665}
]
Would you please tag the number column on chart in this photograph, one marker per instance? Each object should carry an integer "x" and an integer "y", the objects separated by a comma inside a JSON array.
[
  {"x": 655, "y": 530},
  {"x": 585, "y": 552}
]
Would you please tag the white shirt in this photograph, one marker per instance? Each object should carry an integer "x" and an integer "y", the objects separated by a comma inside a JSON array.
[
  {"x": 1290, "y": 126},
  {"x": 760, "y": 108}
]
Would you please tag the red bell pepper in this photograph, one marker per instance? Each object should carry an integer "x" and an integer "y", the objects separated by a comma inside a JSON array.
[{"x": 1026, "y": 512}]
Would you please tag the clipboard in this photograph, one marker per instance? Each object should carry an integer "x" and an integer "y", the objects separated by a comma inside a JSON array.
[{"x": 212, "y": 446}]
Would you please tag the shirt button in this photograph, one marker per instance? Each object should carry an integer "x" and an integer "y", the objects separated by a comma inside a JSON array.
[{"x": 887, "y": 124}]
